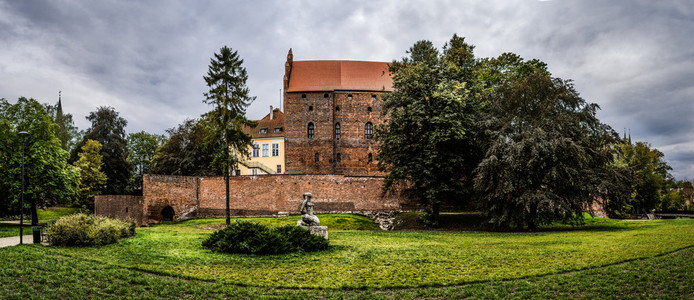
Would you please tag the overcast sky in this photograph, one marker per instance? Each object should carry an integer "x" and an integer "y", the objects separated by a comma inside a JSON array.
[{"x": 147, "y": 58}]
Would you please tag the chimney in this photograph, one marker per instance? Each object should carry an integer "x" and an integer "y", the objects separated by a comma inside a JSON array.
[{"x": 272, "y": 113}]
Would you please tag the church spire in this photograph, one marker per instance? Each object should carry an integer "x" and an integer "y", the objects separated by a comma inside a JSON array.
[{"x": 59, "y": 109}]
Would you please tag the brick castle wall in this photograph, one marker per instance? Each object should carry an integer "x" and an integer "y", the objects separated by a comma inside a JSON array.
[
  {"x": 265, "y": 195},
  {"x": 352, "y": 110},
  {"x": 122, "y": 207}
]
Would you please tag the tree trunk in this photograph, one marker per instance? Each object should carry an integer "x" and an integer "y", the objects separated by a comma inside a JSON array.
[
  {"x": 435, "y": 208},
  {"x": 226, "y": 181}
]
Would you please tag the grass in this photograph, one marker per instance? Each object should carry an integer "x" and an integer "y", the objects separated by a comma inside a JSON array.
[
  {"x": 45, "y": 215},
  {"x": 29, "y": 271},
  {"x": 370, "y": 259}
]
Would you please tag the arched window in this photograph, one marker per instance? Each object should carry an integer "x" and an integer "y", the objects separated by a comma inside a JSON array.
[
  {"x": 368, "y": 130},
  {"x": 316, "y": 157},
  {"x": 337, "y": 130},
  {"x": 310, "y": 130},
  {"x": 338, "y": 157}
]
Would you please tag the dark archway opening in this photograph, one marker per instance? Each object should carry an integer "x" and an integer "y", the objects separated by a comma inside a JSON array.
[{"x": 167, "y": 213}]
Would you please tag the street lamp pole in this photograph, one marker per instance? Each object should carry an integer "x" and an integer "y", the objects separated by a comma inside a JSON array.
[{"x": 23, "y": 135}]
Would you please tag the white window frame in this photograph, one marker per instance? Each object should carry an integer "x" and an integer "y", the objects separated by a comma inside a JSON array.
[
  {"x": 266, "y": 150},
  {"x": 256, "y": 150},
  {"x": 275, "y": 149},
  {"x": 252, "y": 171}
]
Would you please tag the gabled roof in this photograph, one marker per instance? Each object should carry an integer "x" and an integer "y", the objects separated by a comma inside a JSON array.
[
  {"x": 277, "y": 121},
  {"x": 339, "y": 75}
]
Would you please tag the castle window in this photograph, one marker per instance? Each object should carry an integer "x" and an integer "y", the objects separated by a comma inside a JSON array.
[
  {"x": 349, "y": 97},
  {"x": 263, "y": 130},
  {"x": 253, "y": 171},
  {"x": 279, "y": 169},
  {"x": 337, "y": 130},
  {"x": 275, "y": 150},
  {"x": 303, "y": 95},
  {"x": 373, "y": 97},
  {"x": 371, "y": 157},
  {"x": 266, "y": 150},
  {"x": 368, "y": 130},
  {"x": 369, "y": 109},
  {"x": 278, "y": 129},
  {"x": 316, "y": 157},
  {"x": 310, "y": 108},
  {"x": 337, "y": 108},
  {"x": 310, "y": 130},
  {"x": 325, "y": 95},
  {"x": 256, "y": 150},
  {"x": 338, "y": 157}
]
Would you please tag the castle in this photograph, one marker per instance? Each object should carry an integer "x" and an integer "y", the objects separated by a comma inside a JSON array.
[{"x": 321, "y": 144}]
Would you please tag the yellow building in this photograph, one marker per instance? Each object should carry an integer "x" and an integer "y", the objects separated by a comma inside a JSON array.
[{"x": 267, "y": 152}]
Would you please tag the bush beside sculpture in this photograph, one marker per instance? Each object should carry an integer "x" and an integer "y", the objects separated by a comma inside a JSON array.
[
  {"x": 253, "y": 238},
  {"x": 88, "y": 230}
]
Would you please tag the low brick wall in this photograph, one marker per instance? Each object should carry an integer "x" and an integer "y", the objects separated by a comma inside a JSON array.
[
  {"x": 122, "y": 207},
  {"x": 266, "y": 195}
]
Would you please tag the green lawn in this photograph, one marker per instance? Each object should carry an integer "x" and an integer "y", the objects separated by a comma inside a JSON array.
[
  {"x": 377, "y": 259},
  {"x": 45, "y": 215}
]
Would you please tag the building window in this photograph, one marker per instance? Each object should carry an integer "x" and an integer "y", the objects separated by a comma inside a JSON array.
[
  {"x": 266, "y": 150},
  {"x": 371, "y": 157},
  {"x": 349, "y": 97},
  {"x": 275, "y": 150},
  {"x": 310, "y": 130},
  {"x": 238, "y": 172},
  {"x": 256, "y": 150},
  {"x": 253, "y": 171},
  {"x": 310, "y": 108},
  {"x": 325, "y": 95},
  {"x": 315, "y": 158},
  {"x": 368, "y": 130},
  {"x": 337, "y": 130},
  {"x": 338, "y": 157},
  {"x": 278, "y": 129},
  {"x": 373, "y": 97},
  {"x": 337, "y": 108},
  {"x": 263, "y": 130},
  {"x": 303, "y": 95},
  {"x": 369, "y": 109},
  {"x": 279, "y": 169}
]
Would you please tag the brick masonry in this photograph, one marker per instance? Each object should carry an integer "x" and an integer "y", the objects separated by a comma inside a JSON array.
[{"x": 267, "y": 195}]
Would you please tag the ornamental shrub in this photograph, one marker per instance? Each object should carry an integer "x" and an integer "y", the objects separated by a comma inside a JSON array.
[
  {"x": 87, "y": 230},
  {"x": 253, "y": 238}
]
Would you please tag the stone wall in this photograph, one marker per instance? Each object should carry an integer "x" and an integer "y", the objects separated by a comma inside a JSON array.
[
  {"x": 122, "y": 207},
  {"x": 267, "y": 195}
]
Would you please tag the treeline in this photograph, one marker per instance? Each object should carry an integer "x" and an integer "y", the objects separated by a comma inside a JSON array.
[{"x": 505, "y": 136}]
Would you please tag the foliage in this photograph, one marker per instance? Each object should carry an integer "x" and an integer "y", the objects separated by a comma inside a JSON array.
[
  {"x": 58, "y": 276},
  {"x": 254, "y": 238},
  {"x": 185, "y": 152},
  {"x": 379, "y": 259},
  {"x": 427, "y": 141},
  {"x": 545, "y": 155},
  {"x": 87, "y": 230},
  {"x": 92, "y": 178},
  {"x": 142, "y": 147},
  {"x": 109, "y": 130},
  {"x": 66, "y": 131},
  {"x": 226, "y": 78},
  {"x": 49, "y": 179}
]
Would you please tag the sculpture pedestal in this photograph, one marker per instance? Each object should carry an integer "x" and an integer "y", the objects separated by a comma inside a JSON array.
[{"x": 318, "y": 230}]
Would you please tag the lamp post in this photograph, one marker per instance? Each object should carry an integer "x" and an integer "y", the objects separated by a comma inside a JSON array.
[{"x": 23, "y": 135}]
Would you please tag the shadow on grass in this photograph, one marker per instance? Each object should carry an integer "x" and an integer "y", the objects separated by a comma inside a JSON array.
[{"x": 472, "y": 221}]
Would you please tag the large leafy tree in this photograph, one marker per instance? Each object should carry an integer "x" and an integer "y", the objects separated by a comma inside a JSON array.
[
  {"x": 50, "y": 180},
  {"x": 185, "y": 152},
  {"x": 229, "y": 96},
  {"x": 142, "y": 147},
  {"x": 89, "y": 164},
  {"x": 108, "y": 128},
  {"x": 425, "y": 142},
  {"x": 545, "y": 156}
]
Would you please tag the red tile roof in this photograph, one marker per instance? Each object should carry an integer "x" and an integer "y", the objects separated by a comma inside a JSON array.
[
  {"x": 270, "y": 125},
  {"x": 339, "y": 75}
]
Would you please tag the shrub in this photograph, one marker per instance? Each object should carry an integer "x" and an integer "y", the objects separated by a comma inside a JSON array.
[
  {"x": 88, "y": 230},
  {"x": 253, "y": 238}
]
